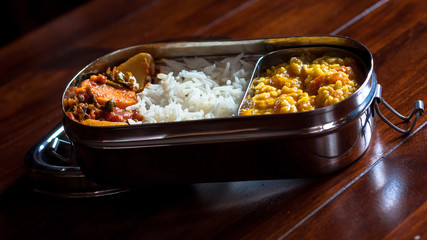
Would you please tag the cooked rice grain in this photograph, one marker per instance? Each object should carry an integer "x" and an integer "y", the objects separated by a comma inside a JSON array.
[{"x": 194, "y": 89}]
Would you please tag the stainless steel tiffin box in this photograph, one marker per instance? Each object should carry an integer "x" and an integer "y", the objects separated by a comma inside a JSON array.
[{"x": 236, "y": 148}]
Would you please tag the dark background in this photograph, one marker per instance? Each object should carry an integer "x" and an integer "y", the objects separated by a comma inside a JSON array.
[{"x": 23, "y": 16}]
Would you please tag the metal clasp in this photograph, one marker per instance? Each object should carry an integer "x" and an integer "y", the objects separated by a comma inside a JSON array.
[{"x": 417, "y": 111}]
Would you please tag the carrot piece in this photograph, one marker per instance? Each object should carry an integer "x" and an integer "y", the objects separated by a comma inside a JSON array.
[
  {"x": 93, "y": 122},
  {"x": 122, "y": 96}
]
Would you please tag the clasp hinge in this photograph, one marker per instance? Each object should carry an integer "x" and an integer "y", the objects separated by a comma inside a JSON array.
[{"x": 417, "y": 111}]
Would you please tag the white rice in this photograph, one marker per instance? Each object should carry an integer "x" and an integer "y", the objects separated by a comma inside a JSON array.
[{"x": 194, "y": 89}]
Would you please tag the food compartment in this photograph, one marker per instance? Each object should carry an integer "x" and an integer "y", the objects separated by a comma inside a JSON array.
[
  {"x": 171, "y": 90},
  {"x": 302, "y": 79}
]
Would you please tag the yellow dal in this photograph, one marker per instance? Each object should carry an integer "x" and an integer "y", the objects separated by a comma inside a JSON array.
[{"x": 303, "y": 85}]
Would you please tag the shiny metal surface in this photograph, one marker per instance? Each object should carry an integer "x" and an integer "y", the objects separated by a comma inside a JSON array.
[
  {"x": 236, "y": 148},
  {"x": 52, "y": 169}
]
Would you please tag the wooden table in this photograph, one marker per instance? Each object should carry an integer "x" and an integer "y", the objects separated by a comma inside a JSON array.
[{"x": 381, "y": 196}]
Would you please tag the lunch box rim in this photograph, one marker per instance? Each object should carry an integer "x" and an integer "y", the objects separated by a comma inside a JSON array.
[{"x": 314, "y": 129}]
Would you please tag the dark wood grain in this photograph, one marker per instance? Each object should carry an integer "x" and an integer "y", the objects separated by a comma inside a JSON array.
[
  {"x": 381, "y": 196},
  {"x": 390, "y": 195},
  {"x": 285, "y": 18}
]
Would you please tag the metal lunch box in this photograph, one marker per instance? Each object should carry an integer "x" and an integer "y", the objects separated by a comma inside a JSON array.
[{"x": 290, "y": 145}]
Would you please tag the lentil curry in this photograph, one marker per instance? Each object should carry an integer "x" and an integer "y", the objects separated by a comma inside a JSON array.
[{"x": 303, "y": 84}]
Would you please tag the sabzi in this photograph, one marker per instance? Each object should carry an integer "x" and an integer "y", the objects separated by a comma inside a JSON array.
[{"x": 102, "y": 99}]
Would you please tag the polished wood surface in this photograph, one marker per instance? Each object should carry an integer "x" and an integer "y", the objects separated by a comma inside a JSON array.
[{"x": 381, "y": 196}]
